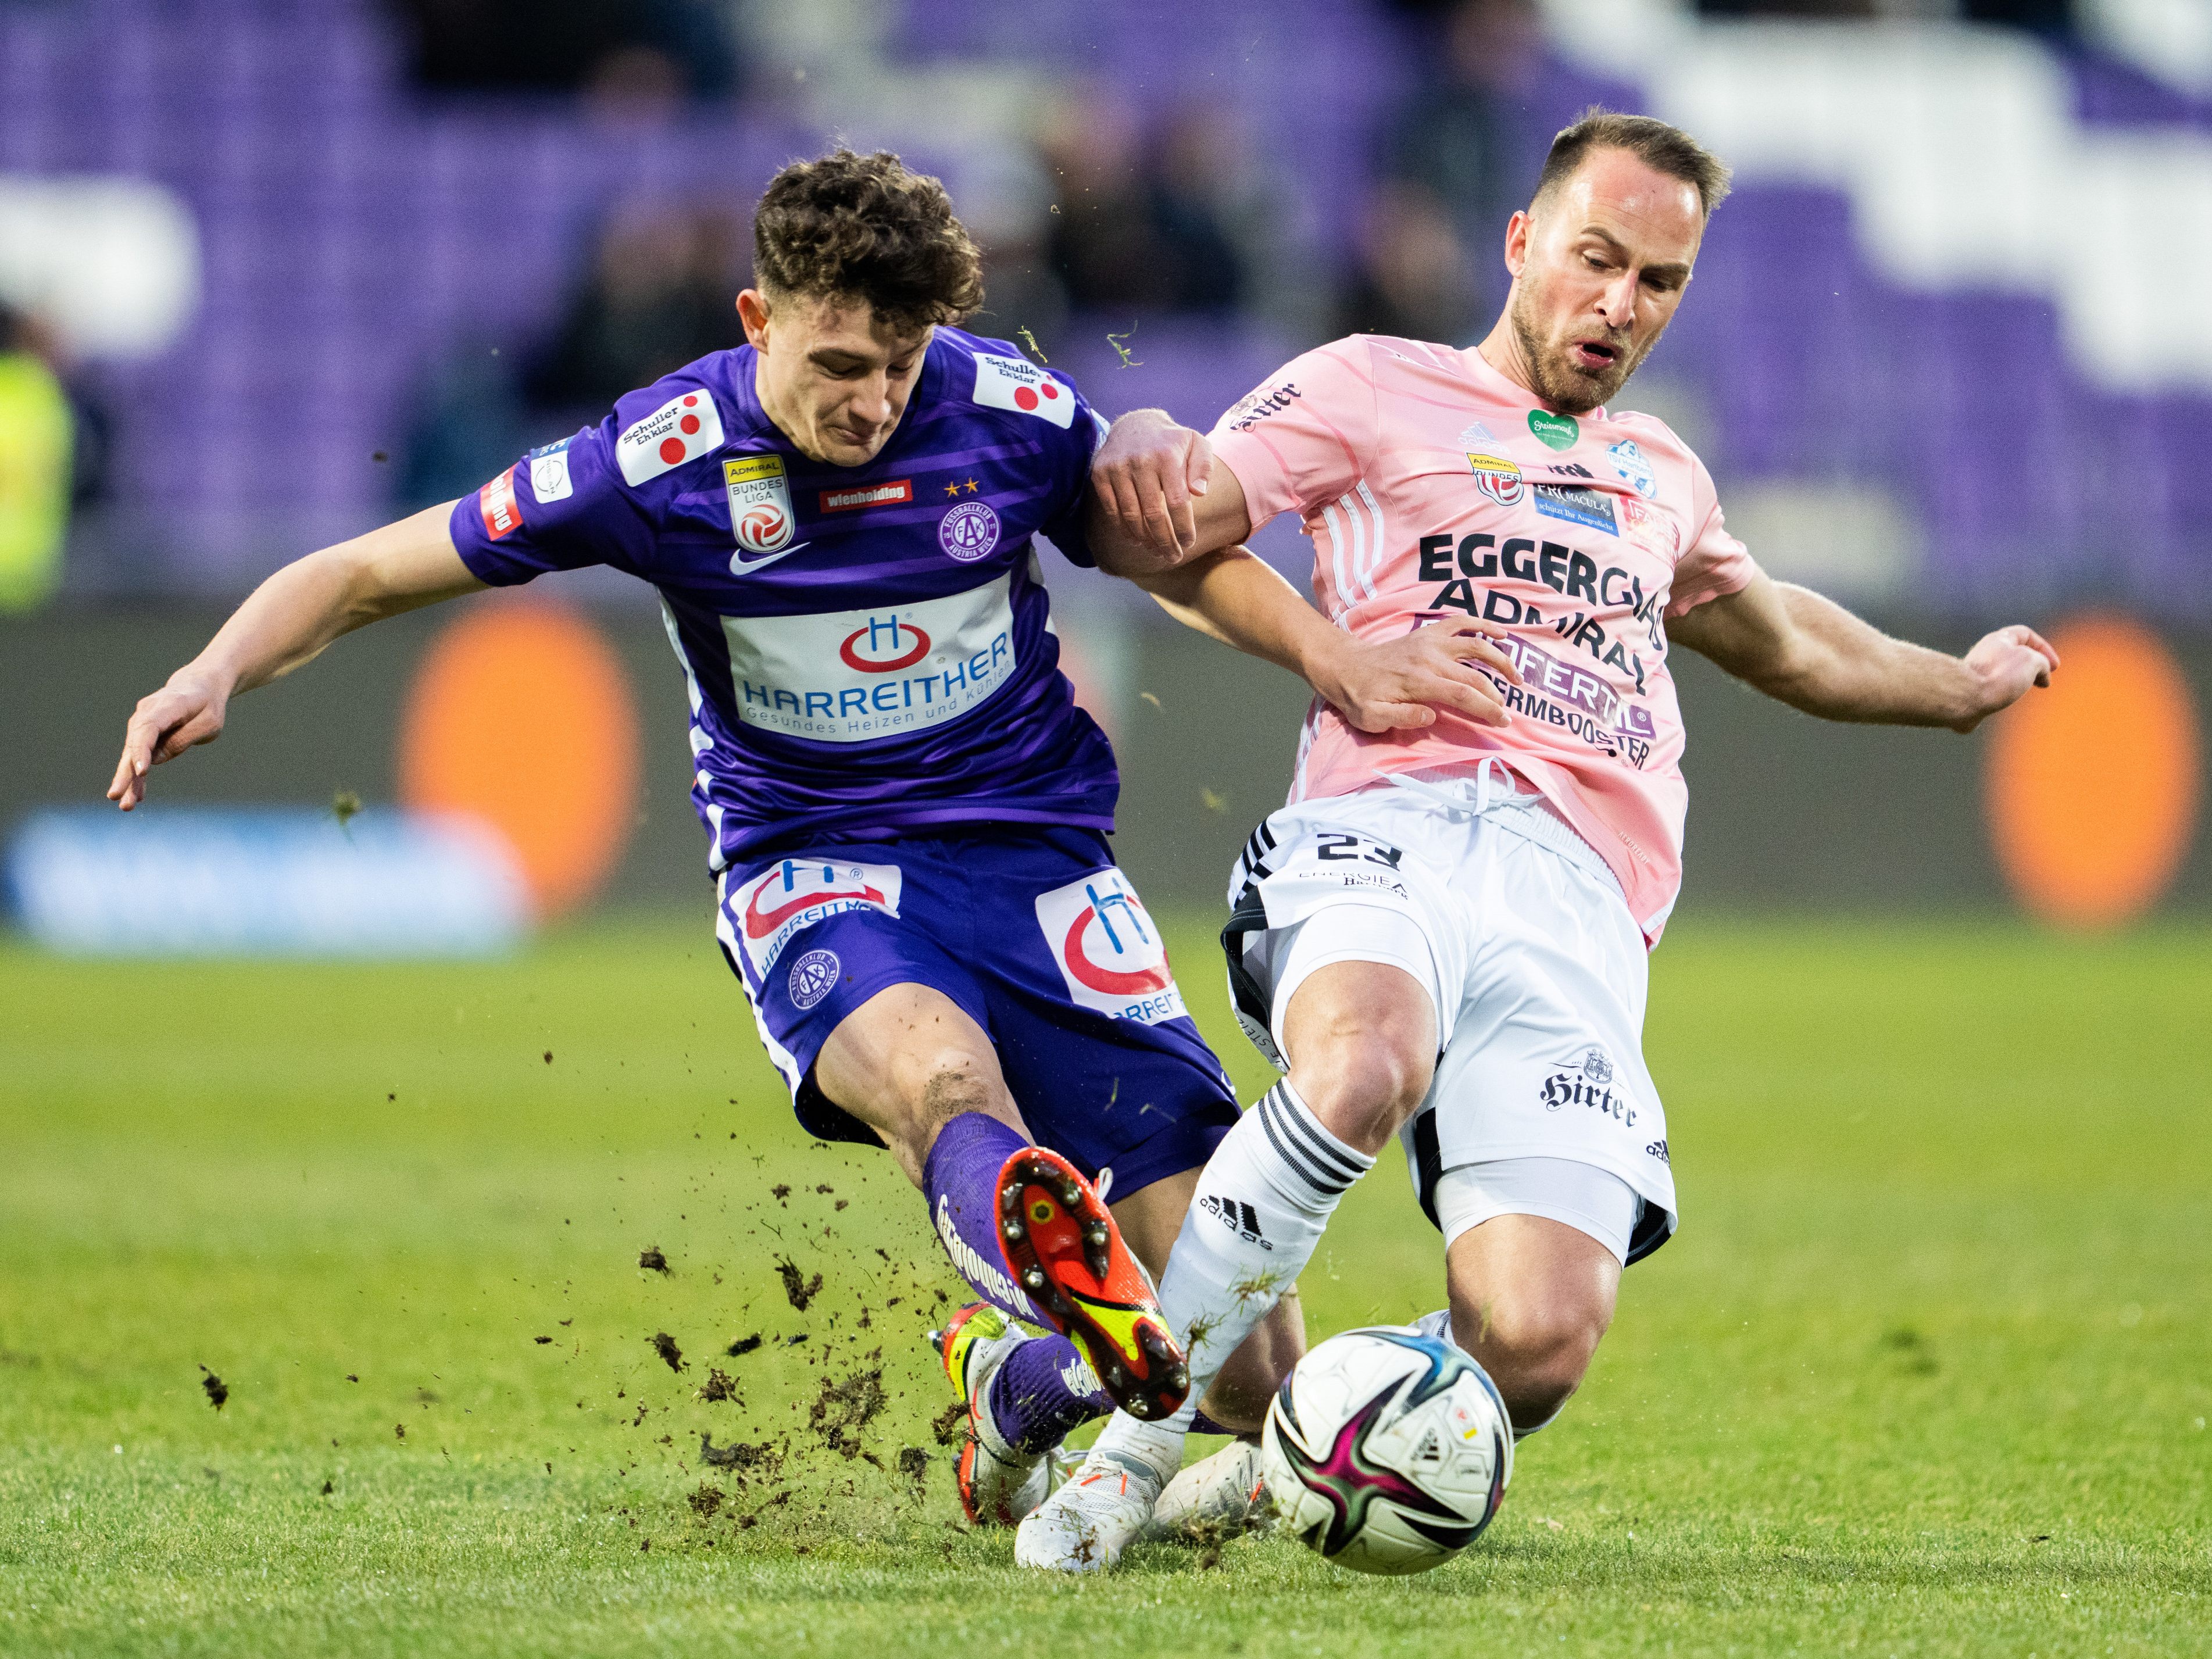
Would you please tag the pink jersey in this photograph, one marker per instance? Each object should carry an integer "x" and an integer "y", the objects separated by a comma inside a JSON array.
[{"x": 1433, "y": 486}]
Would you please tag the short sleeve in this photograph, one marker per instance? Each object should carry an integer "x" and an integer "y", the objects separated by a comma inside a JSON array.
[
  {"x": 1306, "y": 435},
  {"x": 560, "y": 508},
  {"x": 1715, "y": 563},
  {"x": 1071, "y": 452}
]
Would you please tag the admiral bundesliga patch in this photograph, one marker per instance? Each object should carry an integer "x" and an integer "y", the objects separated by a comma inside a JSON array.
[
  {"x": 684, "y": 428},
  {"x": 760, "y": 502},
  {"x": 1017, "y": 383},
  {"x": 1495, "y": 477}
]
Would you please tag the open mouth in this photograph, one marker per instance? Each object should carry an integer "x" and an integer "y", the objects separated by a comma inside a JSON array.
[{"x": 1593, "y": 356}]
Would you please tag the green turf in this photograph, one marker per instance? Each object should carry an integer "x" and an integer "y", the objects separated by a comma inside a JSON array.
[{"x": 1927, "y": 1371}]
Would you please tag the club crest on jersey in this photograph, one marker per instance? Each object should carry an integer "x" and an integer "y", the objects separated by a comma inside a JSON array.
[
  {"x": 549, "y": 472},
  {"x": 1017, "y": 383},
  {"x": 1110, "y": 949},
  {"x": 1496, "y": 477},
  {"x": 760, "y": 516},
  {"x": 686, "y": 427},
  {"x": 968, "y": 531},
  {"x": 1633, "y": 468},
  {"x": 794, "y": 894}
]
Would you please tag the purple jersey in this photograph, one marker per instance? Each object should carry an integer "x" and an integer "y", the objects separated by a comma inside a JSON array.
[{"x": 868, "y": 649}]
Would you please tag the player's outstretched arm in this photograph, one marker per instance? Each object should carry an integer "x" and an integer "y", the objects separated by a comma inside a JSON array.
[
  {"x": 1235, "y": 596},
  {"x": 286, "y": 621},
  {"x": 1810, "y": 653},
  {"x": 1158, "y": 497}
]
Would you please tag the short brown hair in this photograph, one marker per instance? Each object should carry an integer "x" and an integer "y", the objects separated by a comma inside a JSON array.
[
  {"x": 1660, "y": 147},
  {"x": 864, "y": 228}
]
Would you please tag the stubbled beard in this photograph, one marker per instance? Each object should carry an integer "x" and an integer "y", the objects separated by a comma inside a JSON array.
[{"x": 1558, "y": 382}]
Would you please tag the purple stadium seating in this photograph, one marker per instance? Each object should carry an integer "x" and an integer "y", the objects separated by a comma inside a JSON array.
[{"x": 356, "y": 234}]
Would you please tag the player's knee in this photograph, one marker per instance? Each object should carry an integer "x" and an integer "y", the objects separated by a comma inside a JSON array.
[
  {"x": 952, "y": 1083},
  {"x": 1536, "y": 1352},
  {"x": 1364, "y": 1087}
]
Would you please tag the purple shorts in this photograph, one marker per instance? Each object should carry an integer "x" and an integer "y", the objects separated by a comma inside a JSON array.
[{"x": 1035, "y": 935}]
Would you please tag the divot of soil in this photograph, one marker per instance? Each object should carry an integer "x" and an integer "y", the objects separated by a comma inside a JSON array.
[
  {"x": 744, "y": 1344},
  {"x": 796, "y": 1286},
  {"x": 652, "y": 1260},
  {"x": 705, "y": 1501},
  {"x": 664, "y": 1345},
  {"x": 751, "y": 1462},
  {"x": 950, "y": 1424},
  {"x": 718, "y": 1387},
  {"x": 843, "y": 1409},
  {"x": 914, "y": 1463},
  {"x": 218, "y": 1391}
]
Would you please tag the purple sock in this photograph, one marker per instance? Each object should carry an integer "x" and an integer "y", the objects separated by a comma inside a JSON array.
[
  {"x": 960, "y": 1179},
  {"x": 1043, "y": 1393}
]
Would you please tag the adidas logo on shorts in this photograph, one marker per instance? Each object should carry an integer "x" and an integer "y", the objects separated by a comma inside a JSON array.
[{"x": 1239, "y": 1217}]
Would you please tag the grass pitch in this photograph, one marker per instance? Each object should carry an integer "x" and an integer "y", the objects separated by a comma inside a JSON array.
[{"x": 1926, "y": 1372}]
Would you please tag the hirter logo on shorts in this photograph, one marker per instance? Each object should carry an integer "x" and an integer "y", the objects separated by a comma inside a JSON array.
[
  {"x": 1238, "y": 1217},
  {"x": 1587, "y": 1081},
  {"x": 1108, "y": 949},
  {"x": 685, "y": 427},
  {"x": 1017, "y": 383}
]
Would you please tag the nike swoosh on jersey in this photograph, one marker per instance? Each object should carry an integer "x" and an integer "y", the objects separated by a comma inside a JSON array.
[{"x": 739, "y": 564}]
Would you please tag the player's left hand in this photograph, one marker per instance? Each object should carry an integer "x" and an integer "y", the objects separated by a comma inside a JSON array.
[
  {"x": 1447, "y": 667},
  {"x": 2005, "y": 664},
  {"x": 1147, "y": 474}
]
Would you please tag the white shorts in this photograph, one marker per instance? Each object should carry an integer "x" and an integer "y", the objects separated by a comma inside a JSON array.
[{"x": 1519, "y": 933}]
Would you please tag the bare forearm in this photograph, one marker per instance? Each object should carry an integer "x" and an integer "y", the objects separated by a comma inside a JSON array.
[
  {"x": 291, "y": 617},
  {"x": 1234, "y": 596},
  {"x": 1843, "y": 668}
]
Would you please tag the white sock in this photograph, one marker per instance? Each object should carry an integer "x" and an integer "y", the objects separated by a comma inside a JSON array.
[{"x": 1262, "y": 1201}]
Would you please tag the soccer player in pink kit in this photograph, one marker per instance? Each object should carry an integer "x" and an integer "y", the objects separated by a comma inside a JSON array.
[{"x": 1442, "y": 936}]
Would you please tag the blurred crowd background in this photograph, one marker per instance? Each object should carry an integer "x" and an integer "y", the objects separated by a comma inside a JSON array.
[
  {"x": 273, "y": 271},
  {"x": 371, "y": 249}
]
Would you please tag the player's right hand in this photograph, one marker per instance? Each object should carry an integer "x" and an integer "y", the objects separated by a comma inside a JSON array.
[
  {"x": 1147, "y": 475},
  {"x": 1394, "y": 685},
  {"x": 188, "y": 711}
]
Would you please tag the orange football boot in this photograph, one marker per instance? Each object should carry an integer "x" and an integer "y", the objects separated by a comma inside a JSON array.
[{"x": 1063, "y": 1247}]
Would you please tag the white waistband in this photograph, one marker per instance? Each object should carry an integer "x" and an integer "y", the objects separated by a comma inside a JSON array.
[{"x": 1472, "y": 791}]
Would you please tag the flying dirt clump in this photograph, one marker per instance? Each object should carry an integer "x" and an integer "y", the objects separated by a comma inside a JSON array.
[
  {"x": 950, "y": 1424},
  {"x": 652, "y": 1260},
  {"x": 664, "y": 1345},
  {"x": 718, "y": 1387},
  {"x": 751, "y": 1463},
  {"x": 795, "y": 1287},
  {"x": 914, "y": 1463},
  {"x": 744, "y": 1344},
  {"x": 705, "y": 1501},
  {"x": 217, "y": 1389},
  {"x": 843, "y": 1409}
]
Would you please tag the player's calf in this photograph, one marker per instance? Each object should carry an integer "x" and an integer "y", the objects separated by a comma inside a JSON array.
[{"x": 1531, "y": 1298}]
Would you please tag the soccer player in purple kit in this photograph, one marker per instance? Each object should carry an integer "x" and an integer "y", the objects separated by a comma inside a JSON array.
[{"x": 907, "y": 808}]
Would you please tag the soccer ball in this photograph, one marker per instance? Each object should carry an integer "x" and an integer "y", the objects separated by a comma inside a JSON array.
[{"x": 1386, "y": 1451}]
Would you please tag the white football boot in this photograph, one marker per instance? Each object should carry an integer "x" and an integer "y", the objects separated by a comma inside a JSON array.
[
  {"x": 1216, "y": 1498},
  {"x": 1086, "y": 1524},
  {"x": 997, "y": 1485}
]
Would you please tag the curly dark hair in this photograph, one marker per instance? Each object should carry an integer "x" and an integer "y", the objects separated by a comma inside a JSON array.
[{"x": 864, "y": 228}]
